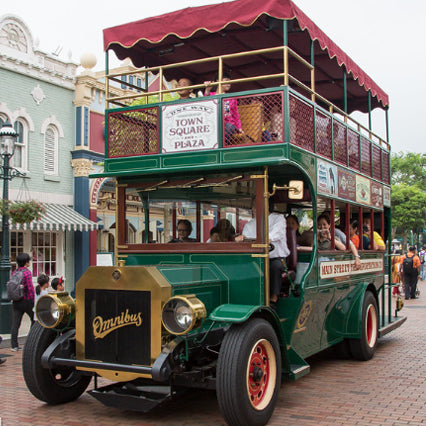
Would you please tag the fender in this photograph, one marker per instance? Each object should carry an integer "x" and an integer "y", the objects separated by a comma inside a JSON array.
[{"x": 236, "y": 314}]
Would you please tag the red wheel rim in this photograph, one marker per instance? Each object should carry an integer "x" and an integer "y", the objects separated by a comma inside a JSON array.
[
  {"x": 371, "y": 326},
  {"x": 261, "y": 374}
]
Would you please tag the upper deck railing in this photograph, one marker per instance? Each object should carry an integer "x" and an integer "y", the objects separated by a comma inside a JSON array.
[{"x": 268, "y": 116}]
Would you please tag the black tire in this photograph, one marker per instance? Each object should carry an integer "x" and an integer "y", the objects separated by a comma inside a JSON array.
[
  {"x": 364, "y": 348},
  {"x": 342, "y": 349},
  {"x": 246, "y": 399},
  {"x": 55, "y": 386}
]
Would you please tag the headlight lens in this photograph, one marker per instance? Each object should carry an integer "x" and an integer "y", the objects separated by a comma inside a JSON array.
[
  {"x": 55, "y": 310},
  {"x": 183, "y": 313}
]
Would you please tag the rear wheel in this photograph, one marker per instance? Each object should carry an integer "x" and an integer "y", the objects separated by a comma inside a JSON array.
[
  {"x": 56, "y": 385},
  {"x": 365, "y": 347},
  {"x": 249, "y": 373}
]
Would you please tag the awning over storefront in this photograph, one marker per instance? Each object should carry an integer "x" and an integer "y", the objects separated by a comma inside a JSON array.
[{"x": 58, "y": 218}]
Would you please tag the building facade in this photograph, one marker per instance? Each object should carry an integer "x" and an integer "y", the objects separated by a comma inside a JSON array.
[{"x": 37, "y": 98}]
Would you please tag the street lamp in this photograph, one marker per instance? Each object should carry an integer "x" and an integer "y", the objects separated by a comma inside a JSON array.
[{"x": 8, "y": 137}]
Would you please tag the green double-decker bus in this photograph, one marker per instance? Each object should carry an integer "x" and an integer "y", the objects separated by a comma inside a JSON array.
[{"x": 264, "y": 117}]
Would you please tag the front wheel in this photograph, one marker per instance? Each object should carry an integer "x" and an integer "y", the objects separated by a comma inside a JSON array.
[
  {"x": 56, "y": 385},
  {"x": 364, "y": 348},
  {"x": 249, "y": 373}
]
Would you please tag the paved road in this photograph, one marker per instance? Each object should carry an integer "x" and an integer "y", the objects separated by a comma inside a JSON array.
[{"x": 388, "y": 390}]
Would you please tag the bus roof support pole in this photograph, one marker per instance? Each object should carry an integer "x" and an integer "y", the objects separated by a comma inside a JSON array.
[
  {"x": 198, "y": 221},
  {"x": 312, "y": 72},
  {"x": 332, "y": 212},
  {"x": 285, "y": 32},
  {"x": 106, "y": 82},
  {"x": 345, "y": 93},
  {"x": 347, "y": 224},
  {"x": 360, "y": 228},
  {"x": 369, "y": 112},
  {"x": 387, "y": 124}
]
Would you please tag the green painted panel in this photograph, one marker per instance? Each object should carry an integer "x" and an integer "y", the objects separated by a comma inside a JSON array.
[
  {"x": 131, "y": 163},
  {"x": 183, "y": 274},
  {"x": 274, "y": 152},
  {"x": 179, "y": 160}
]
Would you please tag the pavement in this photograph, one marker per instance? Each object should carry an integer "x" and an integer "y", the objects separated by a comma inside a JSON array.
[
  {"x": 22, "y": 334},
  {"x": 390, "y": 389}
]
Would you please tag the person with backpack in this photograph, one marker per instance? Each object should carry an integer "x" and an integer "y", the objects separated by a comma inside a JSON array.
[
  {"x": 26, "y": 304},
  {"x": 410, "y": 269},
  {"x": 422, "y": 256}
]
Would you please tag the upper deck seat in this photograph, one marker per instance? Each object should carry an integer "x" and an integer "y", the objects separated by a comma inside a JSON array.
[
  {"x": 251, "y": 123},
  {"x": 291, "y": 262}
]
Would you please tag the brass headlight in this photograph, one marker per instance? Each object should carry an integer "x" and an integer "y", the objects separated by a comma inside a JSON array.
[
  {"x": 55, "y": 310},
  {"x": 183, "y": 313}
]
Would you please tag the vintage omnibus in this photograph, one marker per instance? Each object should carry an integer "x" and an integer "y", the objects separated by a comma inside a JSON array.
[{"x": 197, "y": 313}]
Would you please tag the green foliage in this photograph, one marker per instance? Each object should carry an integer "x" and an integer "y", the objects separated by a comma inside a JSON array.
[
  {"x": 408, "y": 192},
  {"x": 409, "y": 168}
]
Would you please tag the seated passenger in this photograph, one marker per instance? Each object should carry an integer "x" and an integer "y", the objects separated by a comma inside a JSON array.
[
  {"x": 222, "y": 232},
  {"x": 231, "y": 117},
  {"x": 306, "y": 238},
  {"x": 353, "y": 233},
  {"x": 278, "y": 237},
  {"x": 365, "y": 238},
  {"x": 184, "y": 231},
  {"x": 324, "y": 234},
  {"x": 324, "y": 238},
  {"x": 377, "y": 243}
]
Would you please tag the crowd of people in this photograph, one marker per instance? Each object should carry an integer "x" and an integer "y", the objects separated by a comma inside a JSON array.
[
  {"x": 407, "y": 270},
  {"x": 31, "y": 294}
]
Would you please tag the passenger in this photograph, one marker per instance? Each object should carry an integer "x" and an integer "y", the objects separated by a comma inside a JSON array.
[
  {"x": 278, "y": 237},
  {"x": 293, "y": 223},
  {"x": 184, "y": 231},
  {"x": 377, "y": 243},
  {"x": 40, "y": 290},
  {"x": 324, "y": 235},
  {"x": 353, "y": 233},
  {"x": 365, "y": 238},
  {"x": 222, "y": 232},
  {"x": 231, "y": 117},
  {"x": 58, "y": 284},
  {"x": 184, "y": 93}
]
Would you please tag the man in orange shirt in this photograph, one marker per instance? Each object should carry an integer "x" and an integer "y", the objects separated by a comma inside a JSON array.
[{"x": 410, "y": 269}]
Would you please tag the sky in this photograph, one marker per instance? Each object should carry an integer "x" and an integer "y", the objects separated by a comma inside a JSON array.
[{"x": 384, "y": 37}]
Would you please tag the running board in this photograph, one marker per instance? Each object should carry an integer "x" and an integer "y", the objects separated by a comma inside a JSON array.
[
  {"x": 128, "y": 396},
  {"x": 395, "y": 323}
]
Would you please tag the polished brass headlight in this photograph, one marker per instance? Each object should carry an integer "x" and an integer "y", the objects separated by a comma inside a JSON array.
[
  {"x": 183, "y": 313},
  {"x": 55, "y": 310}
]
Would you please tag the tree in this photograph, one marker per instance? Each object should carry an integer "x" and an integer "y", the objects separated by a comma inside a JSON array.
[{"x": 408, "y": 193}]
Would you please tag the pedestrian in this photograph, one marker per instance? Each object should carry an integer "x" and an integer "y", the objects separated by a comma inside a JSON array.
[
  {"x": 41, "y": 289},
  {"x": 410, "y": 270},
  {"x": 2, "y": 360},
  {"x": 58, "y": 284},
  {"x": 26, "y": 304},
  {"x": 396, "y": 273},
  {"x": 422, "y": 256}
]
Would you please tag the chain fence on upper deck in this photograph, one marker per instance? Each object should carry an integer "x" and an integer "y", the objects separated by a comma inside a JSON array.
[
  {"x": 261, "y": 117},
  {"x": 133, "y": 132}
]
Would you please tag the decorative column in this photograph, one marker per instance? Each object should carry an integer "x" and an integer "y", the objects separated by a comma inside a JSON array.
[{"x": 82, "y": 247}]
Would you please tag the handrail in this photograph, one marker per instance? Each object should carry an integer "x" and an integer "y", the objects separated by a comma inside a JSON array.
[{"x": 287, "y": 78}]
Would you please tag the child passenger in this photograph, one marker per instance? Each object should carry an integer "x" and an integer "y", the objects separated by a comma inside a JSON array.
[
  {"x": 231, "y": 116},
  {"x": 41, "y": 289}
]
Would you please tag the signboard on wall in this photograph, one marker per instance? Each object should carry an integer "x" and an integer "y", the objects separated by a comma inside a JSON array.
[
  {"x": 346, "y": 185},
  {"x": 326, "y": 178},
  {"x": 190, "y": 127},
  {"x": 363, "y": 192}
]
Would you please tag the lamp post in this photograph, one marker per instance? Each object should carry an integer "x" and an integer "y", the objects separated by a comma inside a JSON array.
[{"x": 8, "y": 137}]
